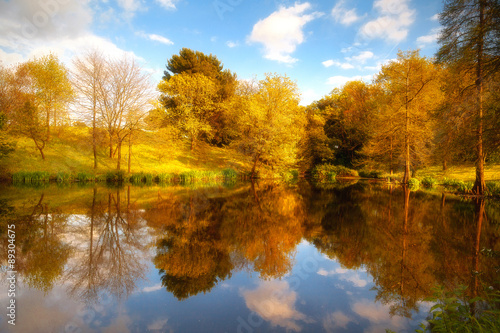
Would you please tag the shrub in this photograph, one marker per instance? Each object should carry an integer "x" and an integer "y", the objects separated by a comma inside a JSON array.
[
  {"x": 30, "y": 177},
  {"x": 493, "y": 188},
  {"x": 63, "y": 177},
  {"x": 370, "y": 174},
  {"x": 85, "y": 177},
  {"x": 429, "y": 181},
  {"x": 330, "y": 172},
  {"x": 414, "y": 184},
  {"x": 166, "y": 178},
  {"x": 229, "y": 173},
  {"x": 115, "y": 176},
  {"x": 452, "y": 314}
]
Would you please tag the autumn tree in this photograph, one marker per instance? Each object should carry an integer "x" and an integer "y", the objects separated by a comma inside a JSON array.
[
  {"x": 190, "y": 104},
  {"x": 189, "y": 62},
  {"x": 125, "y": 99},
  {"x": 412, "y": 86},
  {"x": 51, "y": 87},
  {"x": 470, "y": 38},
  {"x": 89, "y": 78},
  {"x": 271, "y": 123}
]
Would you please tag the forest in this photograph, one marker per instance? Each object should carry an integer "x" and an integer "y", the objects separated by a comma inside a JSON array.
[{"x": 104, "y": 117}]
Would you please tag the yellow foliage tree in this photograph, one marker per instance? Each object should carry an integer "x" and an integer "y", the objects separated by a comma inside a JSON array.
[
  {"x": 271, "y": 122},
  {"x": 189, "y": 102}
]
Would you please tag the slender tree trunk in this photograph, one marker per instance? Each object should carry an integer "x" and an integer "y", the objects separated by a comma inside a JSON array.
[
  {"x": 94, "y": 143},
  {"x": 110, "y": 146},
  {"x": 192, "y": 143},
  {"x": 445, "y": 167},
  {"x": 391, "y": 169},
  {"x": 479, "y": 184},
  {"x": 119, "y": 158},
  {"x": 407, "y": 175},
  {"x": 129, "y": 151},
  {"x": 256, "y": 159}
]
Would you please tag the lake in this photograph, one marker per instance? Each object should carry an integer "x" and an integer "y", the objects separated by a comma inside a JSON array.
[{"x": 342, "y": 257}]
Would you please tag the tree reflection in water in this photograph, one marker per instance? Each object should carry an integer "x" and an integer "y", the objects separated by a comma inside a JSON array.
[{"x": 407, "y": 241}]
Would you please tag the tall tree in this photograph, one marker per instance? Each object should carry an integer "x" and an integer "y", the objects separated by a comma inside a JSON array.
[
  {"x": 189, "y": 62},
  {"x": 412, "y": 85},
  {"x": 89, "y": 78},
  {"x": 125, "y": 100},
  {"x": 470, "y": 37},
  {"x": 52, "y": 88},
  {"x": 271, "y": 123},
  {"x": 190, "y": 104}
]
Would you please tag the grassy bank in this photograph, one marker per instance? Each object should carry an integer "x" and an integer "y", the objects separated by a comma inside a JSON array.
[{"x": 70, "y": 155}]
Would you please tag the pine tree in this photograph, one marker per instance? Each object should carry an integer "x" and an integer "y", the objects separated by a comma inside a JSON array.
[{"x": 470, "y": 38}]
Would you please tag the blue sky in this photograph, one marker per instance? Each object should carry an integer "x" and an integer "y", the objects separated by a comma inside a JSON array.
[{"x": 319, "y": 44}]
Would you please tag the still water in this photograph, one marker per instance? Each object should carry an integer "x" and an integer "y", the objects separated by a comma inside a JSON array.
[{"x": 352, "y": 257}]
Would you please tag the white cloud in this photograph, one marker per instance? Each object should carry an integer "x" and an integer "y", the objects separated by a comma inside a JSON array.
[
  {"x": 336, "y": 320},
  {"x": 308, "y": 96},
  {"x": 275, "y": 302},
  {"x": 232, "y": 44},
  {"x": 435, "y": 17},
  {"x": 431, "y": 38},
  {"x": 62, "y": 28},
  {"x": 130, "y": 6},
  {"x": 156, "y": 287},
  {"x": 392, "y": 24},
  {"x": 345, "y": 274},
  {"x": 168, "y": 4},
  {"x": 362, "y": 57},
  {"x": 282, "y": 31},
  {"x": 379, "y": 316},
  {"x": 343, "y": 65},
  {"x": 351, "y": 62},
  {"x": 344, "y": 16},
  {"x": 339, "y": 80},
  {"x": 156, "y": 38}
]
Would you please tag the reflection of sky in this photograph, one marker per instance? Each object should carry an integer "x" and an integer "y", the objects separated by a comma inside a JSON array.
[
  {"x": 317, "y": 295},
  {"x": 275, "y": 302}
]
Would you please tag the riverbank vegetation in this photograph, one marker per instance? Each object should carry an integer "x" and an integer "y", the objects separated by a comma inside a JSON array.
[{"x": 102, "y": 114}]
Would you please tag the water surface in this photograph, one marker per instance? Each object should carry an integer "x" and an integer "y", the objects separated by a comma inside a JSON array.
[{"x": 352, "y": 257}]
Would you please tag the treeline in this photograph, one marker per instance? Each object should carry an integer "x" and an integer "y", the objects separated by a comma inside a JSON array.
[{"x": 416, "y": 112}]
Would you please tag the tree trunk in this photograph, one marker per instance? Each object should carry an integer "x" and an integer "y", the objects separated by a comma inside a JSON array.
[
  {"x": 445, "y": 167},
  {"x": 192, "y": 143},
  {"x": 256, "y": 159},
  {"x": 119, "y": 158},
  {"x": 129, "y": 152},
  {"x": 479, "y": 184},
  {"x": 407, "y": 175},
  {"x": 94, "y": 143},
  {"x": 110, "y": 146}
]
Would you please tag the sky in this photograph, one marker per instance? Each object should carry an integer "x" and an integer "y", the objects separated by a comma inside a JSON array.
[{"x": 319, "y": 44}]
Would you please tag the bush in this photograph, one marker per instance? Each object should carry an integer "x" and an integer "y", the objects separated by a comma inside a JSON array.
[
  {"x": 493, "y": 188},
  {"x": 458, "y": 185},
  {"x": 63, "y": 177},
  {"x": 166, "y": 178},
  {"x": 229, "y": 174},
  {"x": 330, "y": 172},
  {"x": 452, "y": 314},
  {"x": 414, "y": 184},
  {"x": 115, "y": 176},
  {"x": 370, "y": 174},
  {"x": 85, "y": 177},
  {"x": 429, "y": 182},
  {"x": 30, "y": 177}
]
